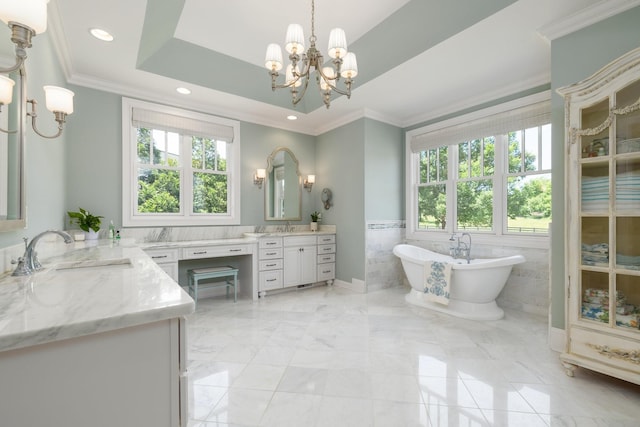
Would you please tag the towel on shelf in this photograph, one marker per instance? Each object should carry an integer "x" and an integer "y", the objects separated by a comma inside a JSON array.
[{"x": 437, "y": 279}]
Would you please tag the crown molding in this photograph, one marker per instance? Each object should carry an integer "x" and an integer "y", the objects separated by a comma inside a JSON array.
[
  {"x": 58, "y": 40},
  {"x": 503, "y": 92},
  {"x": 585, "y": 17}
]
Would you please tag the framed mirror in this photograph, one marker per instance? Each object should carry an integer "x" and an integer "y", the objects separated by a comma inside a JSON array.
[
  {"x": 283, "y": 193},
  {"x": 13, "y": 118}
]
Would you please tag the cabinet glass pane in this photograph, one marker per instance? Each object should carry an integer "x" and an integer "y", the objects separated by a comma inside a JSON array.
[
  {"x": 628, "y": 125},
  {"x": 595, "y": 296},
  {"x": 593, "y": 117},
  {"x": 595, "y": 187},
  {"x": 627, "y": 301},
  {"x": 595, "y": 241},
  {"x": 628, "y": 243},
  {"x": 627, "y": 185}
]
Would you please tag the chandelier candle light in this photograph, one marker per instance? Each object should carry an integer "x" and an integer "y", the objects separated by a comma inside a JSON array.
[{"x": 344, "y": 63}]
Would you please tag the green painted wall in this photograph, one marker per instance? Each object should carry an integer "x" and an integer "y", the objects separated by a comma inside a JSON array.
[
  {"x": 384, "y": 171},
  {"x": 340, "y": 167},
  {"x": 574, "y": 58},
  {"x": 44, "y": 158}
]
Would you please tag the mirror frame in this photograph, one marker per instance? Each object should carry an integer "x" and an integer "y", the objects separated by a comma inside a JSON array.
[
  {"x": 270, "y": 166},
  {"x": 20, "y": 223}
]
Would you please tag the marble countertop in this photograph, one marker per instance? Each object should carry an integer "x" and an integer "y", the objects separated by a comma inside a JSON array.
[
  {"x": 249, "y": 238},
  {"x": 86, "y": 288}
]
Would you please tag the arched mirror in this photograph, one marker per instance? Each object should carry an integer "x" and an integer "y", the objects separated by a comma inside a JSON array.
[
  {"x": 12, "y": 119},
  {"x": 282, "y": 187}
]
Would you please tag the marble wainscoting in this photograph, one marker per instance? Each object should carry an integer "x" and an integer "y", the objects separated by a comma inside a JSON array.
[
  {"x": 527, "y": 289},
  {"x": 383, "y": 269}
]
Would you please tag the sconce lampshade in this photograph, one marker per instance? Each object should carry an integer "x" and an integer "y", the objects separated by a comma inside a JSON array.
[
  {"x": 311, "y": 179},
  {"x": 6, "y": 90},
  {"x": 59, "y": 99},
  {"x": 260, "y": 173},
  {"x": 31, "y": 13}
]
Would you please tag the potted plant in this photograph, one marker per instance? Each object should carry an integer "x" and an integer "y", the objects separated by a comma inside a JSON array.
[
  {"x": 87, "y": 222},
  {"x": 315, "y": 219}
]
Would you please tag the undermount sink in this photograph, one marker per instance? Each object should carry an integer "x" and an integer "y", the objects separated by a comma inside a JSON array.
[{"x": 90, "y": 264}]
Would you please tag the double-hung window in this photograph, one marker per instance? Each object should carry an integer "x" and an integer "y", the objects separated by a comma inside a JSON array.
[
  {"x": 490, "y": 173},
  {"x": 179, "y": 167}
]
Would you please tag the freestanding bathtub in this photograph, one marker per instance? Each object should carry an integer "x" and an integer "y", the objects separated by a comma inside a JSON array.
[{"x": 473, "y": 287}]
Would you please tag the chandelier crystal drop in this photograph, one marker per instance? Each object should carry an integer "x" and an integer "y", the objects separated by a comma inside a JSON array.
[{"x": 298, "y": 72}]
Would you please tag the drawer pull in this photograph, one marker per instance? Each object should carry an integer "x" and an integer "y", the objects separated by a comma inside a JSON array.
[
  {"x": 272, "y": 253},
  {"x": 271, "y": 280},
  {"x": 200, "y": 253},
  {"x": 326, "y": 249},
  {"x": 271, "y": 243},
  {"x": 271, "y": 265},
  {"x": 159, "y": 256},
  {"x": 326, "y": 271},
  {"x": 235, "y": 250}
]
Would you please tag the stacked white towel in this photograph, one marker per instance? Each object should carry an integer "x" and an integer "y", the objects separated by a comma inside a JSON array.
[
  {"x": 596, "y": 255},
  {"x": 628, "y": 191},
  {"x": 595, "y": 193}
]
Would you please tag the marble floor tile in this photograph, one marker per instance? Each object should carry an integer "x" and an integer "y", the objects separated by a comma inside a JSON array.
[{"x": 328, "y": 357}]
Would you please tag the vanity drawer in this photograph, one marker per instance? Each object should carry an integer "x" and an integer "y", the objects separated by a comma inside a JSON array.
[
  {"x": 270, "y": 264},
  {"x": 300, "y": 240},
  {"x": 270, "y": 280},
  {"x": 326, "y": 249},
  {"x": 322, "y": 259},
  {"x": 326, "y": 271},
  {"x": 214, "y": 251},
  {"x": 270, "y": 253},
  {"x": 270, "y": 242},
  {"x": 163, "y": 255},
  {"x": 323, "y": 240}
]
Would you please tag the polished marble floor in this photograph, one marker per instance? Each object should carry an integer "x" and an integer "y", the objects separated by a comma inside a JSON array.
[{"x": 328, "y": 357}]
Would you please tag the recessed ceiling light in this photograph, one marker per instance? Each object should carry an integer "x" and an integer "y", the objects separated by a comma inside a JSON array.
[
  {"x": 292, "y": 117},
  {"x": 101, "y": 34},
  {"x": 183, "y": 90}
]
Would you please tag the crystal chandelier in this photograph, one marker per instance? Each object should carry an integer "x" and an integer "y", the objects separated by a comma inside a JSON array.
[{"x": 344, "y": 63}]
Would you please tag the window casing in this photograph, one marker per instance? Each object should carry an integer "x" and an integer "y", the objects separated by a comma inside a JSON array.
[
  {"x": 179, "y": 167},
  {"x": 480, "y": 184}
]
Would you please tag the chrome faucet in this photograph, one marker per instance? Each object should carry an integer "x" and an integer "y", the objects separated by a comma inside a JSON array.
[
  {"x": 462, "y": 250},
  {"x": 28, "y": 263}
]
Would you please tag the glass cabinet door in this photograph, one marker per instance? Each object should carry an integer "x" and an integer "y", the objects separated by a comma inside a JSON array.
[
  {"x": 595, "y": 212},
  {"x": 626, "y": 305}
]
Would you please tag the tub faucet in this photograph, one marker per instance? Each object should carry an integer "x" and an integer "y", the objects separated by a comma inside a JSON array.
[
  {"x": 28, "y": 263},
  {"x": 462, "y": 249}
]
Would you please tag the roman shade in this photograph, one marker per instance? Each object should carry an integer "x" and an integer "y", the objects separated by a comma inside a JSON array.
[
  {"x": 180, "y": 124},
  {"x": 496, "y": 124}
]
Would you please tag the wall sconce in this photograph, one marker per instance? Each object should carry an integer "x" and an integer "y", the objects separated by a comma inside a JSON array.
[
  {"x": 258, "y": 177},
  {"x": 308, "y": 183},
  {"x": 26, "y": 18}
]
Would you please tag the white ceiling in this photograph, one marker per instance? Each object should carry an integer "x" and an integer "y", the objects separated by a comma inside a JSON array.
[{"x": 498, "y": 56}]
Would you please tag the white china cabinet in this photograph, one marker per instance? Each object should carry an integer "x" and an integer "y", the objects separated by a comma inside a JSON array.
[{"x": 602, "y": 242}]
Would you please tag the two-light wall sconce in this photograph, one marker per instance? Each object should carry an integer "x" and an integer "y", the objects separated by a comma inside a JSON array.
[
  {"x": 26, "y": 18},
  {"x": 260, "y": 174}
]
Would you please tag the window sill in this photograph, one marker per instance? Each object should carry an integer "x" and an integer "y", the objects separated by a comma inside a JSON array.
[{"x": 535, "y": 242}]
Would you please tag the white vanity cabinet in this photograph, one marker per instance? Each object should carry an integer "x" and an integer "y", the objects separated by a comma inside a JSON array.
[
  {"x": 167, "y": 259},
  {"x": 327, "y": 258},
  {"x": 270, "y": 264},
  {"x": 602, "y": 243},
  {"x": 300, "y": 261}
]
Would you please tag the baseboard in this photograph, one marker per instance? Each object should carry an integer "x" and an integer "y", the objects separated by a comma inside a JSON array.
[
  {"x": 557, "y": 339},
  {"x": 356, "y": 285}
]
